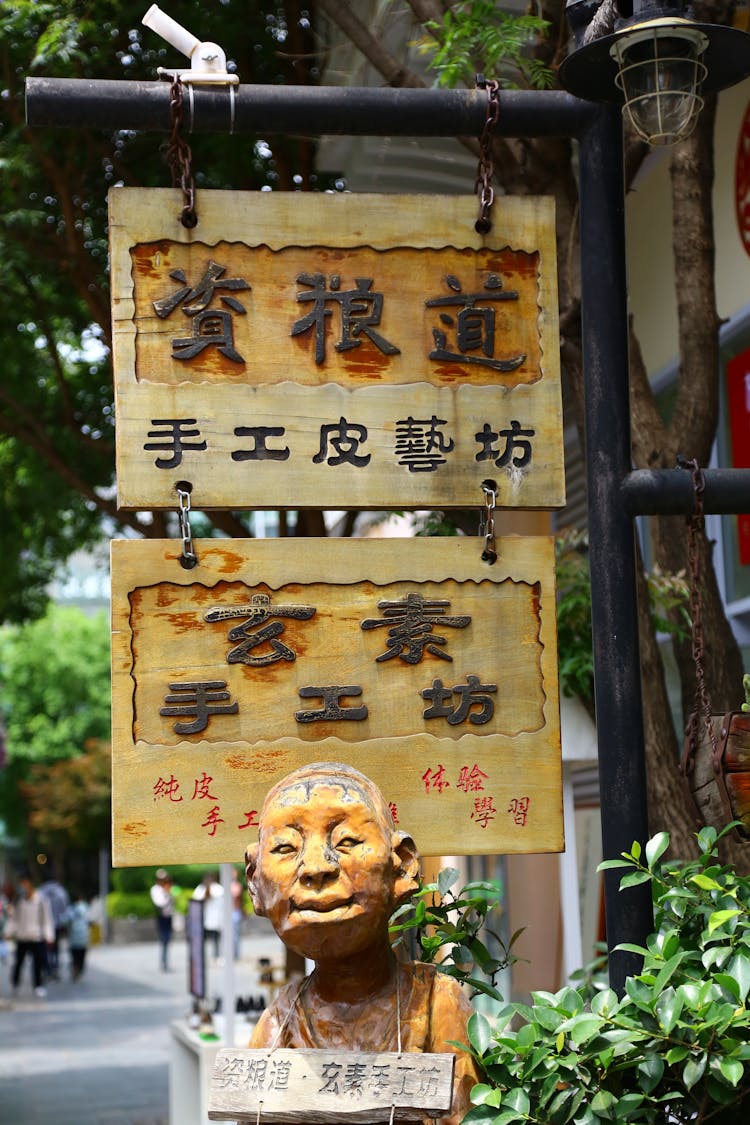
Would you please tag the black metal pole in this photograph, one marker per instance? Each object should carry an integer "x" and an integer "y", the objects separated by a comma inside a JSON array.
[
  {"x": 670, "y": 492},
  {"x": 619, "y": 707},
  {"x": 77, "y": 103}
]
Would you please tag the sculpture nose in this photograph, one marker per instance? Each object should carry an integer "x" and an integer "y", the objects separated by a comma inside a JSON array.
[{"x": 318, "y": 862}]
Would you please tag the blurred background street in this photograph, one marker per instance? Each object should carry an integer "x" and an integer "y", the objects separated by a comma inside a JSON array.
[{"x": 96, "y": 1051}]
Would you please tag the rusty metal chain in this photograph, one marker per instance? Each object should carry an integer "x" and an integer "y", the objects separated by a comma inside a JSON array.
[
  {"x": 487, "y": 522},
  {"x": 485, "y": 169},
  {"x": 179, "y": 156},
  {"x": 701, "y": 713}
]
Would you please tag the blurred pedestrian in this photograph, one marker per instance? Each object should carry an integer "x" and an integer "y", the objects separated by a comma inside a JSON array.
[
  {"x": 211, "y": 893},
  {"x": 161, "y": 896},
  {"x": 5, "y": 911},
  {"x": 78, "y": 934},
  {"x": 237, "y": 889},
  {"x": 33, "y": 930},
  {"x": 59, "y": 902}
]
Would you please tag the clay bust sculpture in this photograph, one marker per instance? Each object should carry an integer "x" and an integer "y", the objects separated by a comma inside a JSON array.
[{"x": 329, "y": 869}]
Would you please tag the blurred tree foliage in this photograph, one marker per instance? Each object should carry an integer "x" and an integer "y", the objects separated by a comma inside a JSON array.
[
  {"x": 55, "y": 699},
  {"x": 56, "y": 412}
]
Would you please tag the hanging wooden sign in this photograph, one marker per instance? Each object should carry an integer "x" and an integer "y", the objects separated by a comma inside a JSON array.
[
  {"x": 328, "y": 1087},
  {"x": 431, "y": 671},
  {"x": 337, "y": 350}
]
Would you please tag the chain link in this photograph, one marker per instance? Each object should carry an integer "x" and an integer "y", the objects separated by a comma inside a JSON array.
[
  {"x": 700, "y": 716},
  {"x": 485, "y": 169},
  {"x": 189, "y": 558},
  {"x": 179, "y": 155},
  {"x": 487, "y": 521}
]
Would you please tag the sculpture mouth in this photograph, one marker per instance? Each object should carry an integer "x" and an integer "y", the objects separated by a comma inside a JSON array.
[{"x": 317, "y": 907}]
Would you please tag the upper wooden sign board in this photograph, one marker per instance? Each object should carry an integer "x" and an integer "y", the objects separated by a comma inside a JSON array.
[
  {"x": 431, "y": 671},
  {"x": 335, "y": 351}
]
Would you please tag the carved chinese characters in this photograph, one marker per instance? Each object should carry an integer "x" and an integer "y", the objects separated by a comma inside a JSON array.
[
  {"x": 432, "y": 671},
  {"x": 279, "y": 348}
]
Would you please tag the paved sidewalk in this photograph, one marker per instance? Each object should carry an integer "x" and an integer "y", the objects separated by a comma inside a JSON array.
[{"x": 96, "y": 1052}]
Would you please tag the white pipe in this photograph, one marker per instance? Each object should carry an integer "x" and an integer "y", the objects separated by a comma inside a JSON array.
[
  {"x": 228, "y": 999},
  {"x": 170, "y": 30}
]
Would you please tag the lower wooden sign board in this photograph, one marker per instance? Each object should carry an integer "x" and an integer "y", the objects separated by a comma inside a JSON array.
[
  {"x": 327, "y": 1086},
  {"x": 430, "y": 670}
]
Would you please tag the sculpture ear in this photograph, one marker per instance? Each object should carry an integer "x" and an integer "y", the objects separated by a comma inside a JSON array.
[
  {"x": 406, "y": 867},
  {"x": 251, "y": 864}
]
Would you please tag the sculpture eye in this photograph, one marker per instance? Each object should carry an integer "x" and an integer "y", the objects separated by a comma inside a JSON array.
[
  {"x": 346, "y": 843},
  {"x": 283, "y": 848}
]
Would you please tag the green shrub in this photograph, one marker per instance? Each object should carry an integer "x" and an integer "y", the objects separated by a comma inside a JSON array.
[
  {"x": 675, "y": 1048},
  {"x": 126, "y": 905}
]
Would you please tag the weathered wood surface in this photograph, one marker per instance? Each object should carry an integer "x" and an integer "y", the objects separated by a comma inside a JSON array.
[
  {"x": 479, "y": 773},
  {"x": 326, "y": 1086},
  {"x": 705, "y": 783},
  {"x": 353, "y": 390}
]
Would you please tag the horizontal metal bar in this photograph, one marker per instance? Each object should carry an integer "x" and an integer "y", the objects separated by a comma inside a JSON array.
[
  {"x": 667, "y": 492},
  {"x": 75, "y": 103}
]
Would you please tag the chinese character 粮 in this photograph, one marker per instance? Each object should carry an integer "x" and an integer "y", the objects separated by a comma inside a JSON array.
[
  {"x": 172, "y": 436},
  {"x": 517, "y": 451},
  {"x": 420, "y": 445},
  {"x": 474, "y": 326},
  {"x": 360, "y": 312},
  {"x": 254, "y": 630},
  {"x": 412, "y": 622},
  {"x": 331, "y": 711},
  {"x": 209, "y": 327},
  {"x": 470, "y": 695},
  {"x": 201, "y": 699}
]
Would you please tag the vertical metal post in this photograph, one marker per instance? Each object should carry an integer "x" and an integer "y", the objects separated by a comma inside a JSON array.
[{"x": 619, "y": 708}]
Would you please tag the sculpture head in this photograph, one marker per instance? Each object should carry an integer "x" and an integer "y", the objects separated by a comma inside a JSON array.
[{"x": 330, "y": 866}]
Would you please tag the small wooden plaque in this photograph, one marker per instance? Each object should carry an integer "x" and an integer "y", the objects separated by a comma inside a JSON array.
[
  {"x": 430, "y": 670},
  {"x": 337, "y": 351},
  {"x": 326, "y": 1086}
]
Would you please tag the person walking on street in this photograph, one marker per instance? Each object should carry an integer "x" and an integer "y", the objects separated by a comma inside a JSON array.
[
  {"x": 161, "y": 896},
  {"x": 33, "y": 929},
  {"x": 59, "y": 902},
  {"x": 211, "y": 893},
  {"x": 78, "y": 934}
]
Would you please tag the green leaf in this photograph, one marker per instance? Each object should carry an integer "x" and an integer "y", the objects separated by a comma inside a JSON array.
[
  {"x": 480, "y": 1032},
  {"x": 739, "y": 968},
  {"x": 582, "y": 1026},
  {"x": 719, "y": 918},
  {"x": 732, "y": 1069},
  {"x": 693, "y": 1070},
  {"x": 705, "y": 883},
  {"x": 518, "y": 1099},
  {"x": 668, "y": 1008},
  {"x": 603, "y": 1102},
  {"x": 634, "y": 879},
  {"x": 485, "y": 1115},
  {"x": 656, "y": 847},
  {"x": 729, "y": 984},
  {"x": 650, "y": 1072},
  {"x": 447, "y": 878}
]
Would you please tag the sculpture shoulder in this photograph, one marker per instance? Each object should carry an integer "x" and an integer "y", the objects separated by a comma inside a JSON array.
[
  {"x": 266, "y": 1029},
  {"x": 444, "y": 989}
]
